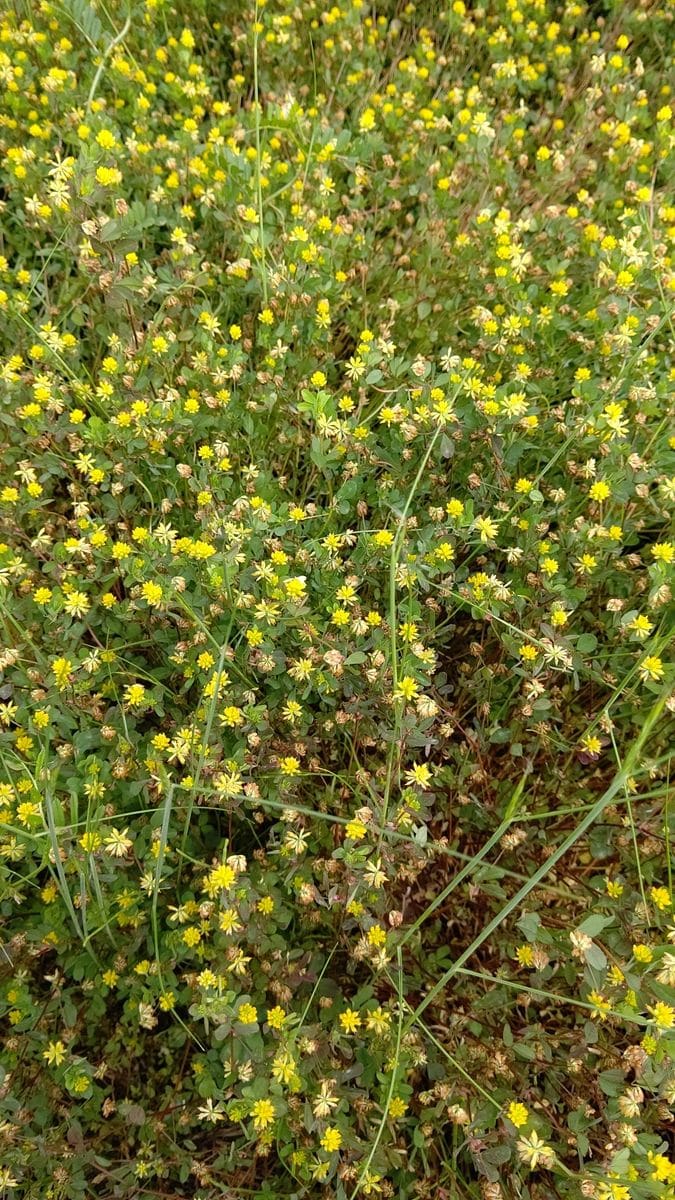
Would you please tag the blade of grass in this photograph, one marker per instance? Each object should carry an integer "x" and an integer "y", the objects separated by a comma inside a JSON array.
[
  {"x": 523, "y": 892},
  {"x": 393, "y": 1078}
]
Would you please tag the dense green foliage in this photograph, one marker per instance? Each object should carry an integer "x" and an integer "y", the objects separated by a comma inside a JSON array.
[{"x": 336, "y": 591}]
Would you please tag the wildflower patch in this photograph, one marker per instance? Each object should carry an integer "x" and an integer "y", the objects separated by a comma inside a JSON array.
[{"x": 336, "y": 569}]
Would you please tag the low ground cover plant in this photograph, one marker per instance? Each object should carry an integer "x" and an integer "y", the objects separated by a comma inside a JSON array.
[{"x": 336, "y": 564}]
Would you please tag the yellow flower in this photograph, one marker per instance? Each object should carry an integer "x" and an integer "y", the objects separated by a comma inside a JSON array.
[
  {"x": 651, "y": 667},
  {"x": 661, "y": 897},
  {"x": 642, "y": 953},
  {"x": 356, "y": 830},
  {"x": 517, "y": 1114},
  {"x": 664, "y": 552},
  {"x": 600, "y": 1004},
  {"x": 663, "y": 1170},
  {"x": 641, "y": 626},
  {"x": 586, "y": 564},
  {"x": 229, "y": 923},
  {"x": 91, "y": 840},
  {"x": 55, "y": 1054},
  {"x": 76, "y": 604},
  {"x": 378, "y": 1020},
  {"x": 445, "y": 552},
  {"x": 152, "y": 594},
  {"x": 284, "y": 1067},
  {"x": 331, "y": 1139},
  {"x": 108, "y": 176},
  {"x": 220, "y": 879},
  {"x": 295, "y": 588},
  {"x": 276, "y": 1017},
  {"x": 408, "y": 630},
  {"x": 486, "y": 527},
  {"x": 600, "y": 490},
  {"x": 247, "y": 1014},
  {"x": 383, "y": 537},
  {"x": 663, "y": 1014},
  {"x": 406, "y": 688},
  {"x": 289, "y": 765},
  {"x": 106, "y": 139},
  {"x": 135, "y": 695},
  {"x": 263, "y": 1114},
  {"x": 231, "y": 716},
  {"x": 371, "y": 1183},
  {"x": 350, "y": 1020},
  {"x": 419, "y": 776},
  {"x": 117, "y": 843},
  {"x": 397, "y": 1108},
  {"x": 533, "y": 1150},
  {"x": 61, "y": 668}
]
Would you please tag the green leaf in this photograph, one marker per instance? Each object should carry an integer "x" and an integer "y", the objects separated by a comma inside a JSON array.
[
  {"x": 612, "y": 1082},
  {"x": 83, "y": 16},
  {"x": 595, "y": 924},
  {"x": 595, "y": 958},
  {"x": 529, "y": 924},
  {"x": 586, "y": 643}
]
